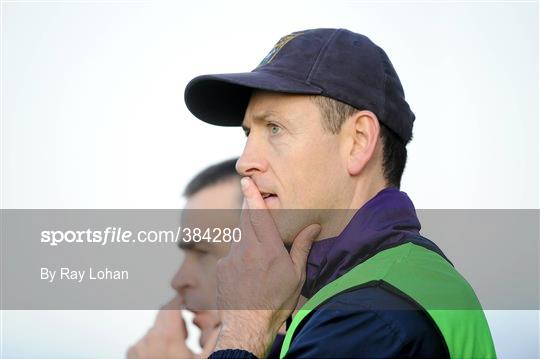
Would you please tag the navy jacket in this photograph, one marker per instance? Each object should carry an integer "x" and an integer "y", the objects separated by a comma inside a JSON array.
[{"x": 372, "y": 321}]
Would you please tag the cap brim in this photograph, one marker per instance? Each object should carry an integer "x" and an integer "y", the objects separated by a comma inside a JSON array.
[{"x": 222, "y": 99}]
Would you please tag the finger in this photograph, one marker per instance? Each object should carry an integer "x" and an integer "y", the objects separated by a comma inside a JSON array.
[
  {"x": 183, "y": 331},
  {"x": 259, "y": 216},
  {"x": 170, "y": 317},
  {"x": 251, "y": 194},
  {"x": 132, "y": 354},
  {"x": 302, "y": 245},
  {"x": 154, "y": 344},
  {"x": 248, "y": 234},
  {"x": 139, "y": 350},
  {"x": 177, "y": 302}
]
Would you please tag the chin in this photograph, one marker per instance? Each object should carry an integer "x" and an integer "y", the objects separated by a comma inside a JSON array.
[
  {"x": 291, "y": 222},
  {"x": 287, "y": 227}
]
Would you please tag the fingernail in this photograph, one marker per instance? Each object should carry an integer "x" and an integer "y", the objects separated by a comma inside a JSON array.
[{"x": 244, "y": 182}]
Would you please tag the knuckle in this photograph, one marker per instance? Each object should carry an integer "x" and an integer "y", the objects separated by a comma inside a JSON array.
[
  {"x": 257, "y": 219},
  {"x": 254, "y": 257}
]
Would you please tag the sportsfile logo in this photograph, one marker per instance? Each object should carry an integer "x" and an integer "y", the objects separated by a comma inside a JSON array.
[{"x": 121, "y": 235}]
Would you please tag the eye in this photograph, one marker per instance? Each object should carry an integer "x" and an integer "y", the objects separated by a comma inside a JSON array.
[
  {"x": 201, "y": 252},
  {"x": 274, "y": 129},
  {"x": 197, "y": 250}
]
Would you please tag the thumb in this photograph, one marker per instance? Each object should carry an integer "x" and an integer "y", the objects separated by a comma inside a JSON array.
[{"x": 302, "y": 245}]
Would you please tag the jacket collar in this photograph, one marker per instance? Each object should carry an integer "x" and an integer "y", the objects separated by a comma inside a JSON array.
[{"x": 386, "y": 220}]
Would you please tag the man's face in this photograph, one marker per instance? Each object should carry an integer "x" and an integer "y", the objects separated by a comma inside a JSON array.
[
  {"x": 293, "y": 160},
  {"x": 195, "y": 280}
]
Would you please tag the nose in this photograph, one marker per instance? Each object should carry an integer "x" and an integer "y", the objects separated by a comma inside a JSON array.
[
  {"x": 182, "y": 279},
  {"x": 252, "y": 159}
]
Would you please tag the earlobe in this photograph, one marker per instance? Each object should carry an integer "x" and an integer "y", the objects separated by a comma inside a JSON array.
[
  {"x": 355, "y": 166},
  {"x": 364, "y": 132}
]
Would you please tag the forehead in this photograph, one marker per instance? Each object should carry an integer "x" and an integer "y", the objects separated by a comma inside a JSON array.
[{"x": 267, "y": 106}]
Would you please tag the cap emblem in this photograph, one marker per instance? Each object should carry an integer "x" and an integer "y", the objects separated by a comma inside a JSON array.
[{"x": 282, "y": 42}]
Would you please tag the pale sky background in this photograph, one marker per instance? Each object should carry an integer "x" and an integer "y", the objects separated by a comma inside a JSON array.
[{"x": 93, "y": 117}]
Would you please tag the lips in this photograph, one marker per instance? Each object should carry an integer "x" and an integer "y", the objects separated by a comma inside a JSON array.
[
  {"x": 264, "y": 188},
  {"x": 197, "y": 321},
  {"x": 266, "y": 195},
  {"x": 207, "y": 322},
  {"x": 203, "y": 319}
]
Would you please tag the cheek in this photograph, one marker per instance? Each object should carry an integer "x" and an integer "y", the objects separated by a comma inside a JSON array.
[
  {"x": 315, "y": 174},
  {"x": 207, "y": 270}
]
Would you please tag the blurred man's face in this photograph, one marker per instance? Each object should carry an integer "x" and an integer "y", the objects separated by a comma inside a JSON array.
[
  {"x": 293, "y": 160},
  {"x": 195, "y": 280}
]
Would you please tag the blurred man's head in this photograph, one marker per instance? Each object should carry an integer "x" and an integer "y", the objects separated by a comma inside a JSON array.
[{"x": 217, "y": 187}]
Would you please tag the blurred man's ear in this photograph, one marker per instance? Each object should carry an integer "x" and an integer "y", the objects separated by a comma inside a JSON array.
[{"x": 363, "y": 130}]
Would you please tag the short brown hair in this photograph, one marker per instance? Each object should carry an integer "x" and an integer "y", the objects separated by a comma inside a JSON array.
[{"x": 335, "y": 112}]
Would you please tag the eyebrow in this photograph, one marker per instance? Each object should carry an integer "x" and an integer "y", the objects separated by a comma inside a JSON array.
[
  {"x": 190, "y": 245},
  {"x": 263, "y": 117},
  {"x": 187, "y": 246}
]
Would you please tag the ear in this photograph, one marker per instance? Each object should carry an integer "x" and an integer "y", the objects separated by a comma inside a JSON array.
[{"x": 363, "y": 129}]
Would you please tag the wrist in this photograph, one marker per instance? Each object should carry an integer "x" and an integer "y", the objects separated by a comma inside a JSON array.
[{"x": 253, "y": 333}]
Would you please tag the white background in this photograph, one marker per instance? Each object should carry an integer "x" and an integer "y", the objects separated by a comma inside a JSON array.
[{"x": 93, "y": 117}]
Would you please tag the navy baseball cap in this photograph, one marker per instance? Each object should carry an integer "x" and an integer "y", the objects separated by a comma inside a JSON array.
[{"x": 335, "y": 63}]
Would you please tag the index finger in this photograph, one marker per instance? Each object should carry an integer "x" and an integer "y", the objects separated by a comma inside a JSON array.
[
  {"x": 170, "y": 317},
  {"x": 259, "y": 216}
]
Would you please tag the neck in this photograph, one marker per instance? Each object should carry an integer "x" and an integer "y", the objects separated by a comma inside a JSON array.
[{"x": 337, "y": 219}]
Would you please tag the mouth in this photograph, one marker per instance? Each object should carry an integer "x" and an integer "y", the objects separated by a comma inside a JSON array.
[
  {"x": 199, "y": 319},
  {"x": 206, "y": 321},
  {"x": 196, "y": 321},
  {"x": 269, "y": 197},
  {"x": 206, "y": 333}
]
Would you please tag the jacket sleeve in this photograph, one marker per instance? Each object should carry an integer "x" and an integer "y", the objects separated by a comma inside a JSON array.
[
  {"x": 232, "y": 354},
  {"x": 244, "y": 354}
]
